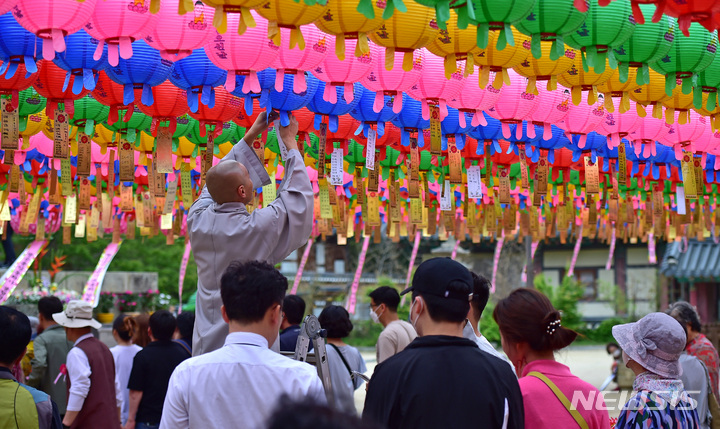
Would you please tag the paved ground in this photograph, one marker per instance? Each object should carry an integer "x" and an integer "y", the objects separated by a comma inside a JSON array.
[{"x": 591, "y": 363}]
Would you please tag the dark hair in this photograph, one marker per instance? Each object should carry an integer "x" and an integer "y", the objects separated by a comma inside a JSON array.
[
  {"x": 15, "y": 333},
  {"x": 386, "y": 295},
  {"x": 162, "y": 325},
  {"x": 308, "y": 414},
  {"x": 443, "y": 309},
  {"x": 249, "y": 289},
  {"x": 608, "y": 345},
  {"x": 141, "y": 337},
  {"x": 49, "y": 305},
  {"x": 294, "y": 309},
  {"x": 186, "y": 324},
  {"x": 686, "y": 314},
  {"x": 336, "y": 321},
  {"x": 481, "y": 294},
  {"x": 125, "y": 326},
  {"x": 527, "y": 315}
]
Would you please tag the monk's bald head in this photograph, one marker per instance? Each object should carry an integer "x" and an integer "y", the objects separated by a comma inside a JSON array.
[{"x": 229, "y": 181}]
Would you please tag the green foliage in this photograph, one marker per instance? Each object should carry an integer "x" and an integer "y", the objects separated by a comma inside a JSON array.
[
  {"x": 364, "y": 334},
  {"x": 488, "y": 327},
  {"x": 564, "y": 298},
  {"x": 603, "y": 333}
]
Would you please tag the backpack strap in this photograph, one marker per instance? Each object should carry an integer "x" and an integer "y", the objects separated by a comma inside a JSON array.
[
  {"x": 561, "y": 396},
  {"x": 342, "y": 357}
]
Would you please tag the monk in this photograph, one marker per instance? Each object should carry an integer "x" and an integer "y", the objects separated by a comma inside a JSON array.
[{"x": 222, "y": 230}]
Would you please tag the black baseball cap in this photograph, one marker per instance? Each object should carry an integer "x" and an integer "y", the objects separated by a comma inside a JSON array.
[{"x": 433, "y": 276}]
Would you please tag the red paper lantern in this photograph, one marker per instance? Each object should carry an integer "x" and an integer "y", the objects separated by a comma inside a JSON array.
[
  {"x": 110, "y": 94},
  {"x": 173, "y": 103},
  {"x": 18, "y": 81},
  {"x": 226, "y": 108},
  {"x": 49, "y": 84}
]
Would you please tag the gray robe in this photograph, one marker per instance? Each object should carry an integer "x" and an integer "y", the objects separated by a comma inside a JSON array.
[{"x": 223, "y": 233}]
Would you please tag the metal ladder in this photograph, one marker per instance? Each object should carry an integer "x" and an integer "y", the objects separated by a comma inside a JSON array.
[{"x": 311, "y": 331}]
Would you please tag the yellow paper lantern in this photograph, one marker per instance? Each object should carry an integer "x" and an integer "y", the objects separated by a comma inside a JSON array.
[
  {"x": 652, "y": 94},
  {"x": 499, "y": 61},
  {"x": 35, "y": 124},
  {"x": 614, "y": 89},
  {"x": 342, "y": 20},
  {"x": 454, "y": 44},
  {"x": 680, "y": 103},
  {"x": 579, "y": 80},
  {"x": 224, "y": 7},
  {"x": 289, "y": 14},
  {"x": 185, "y": 152},
  {"x": 713, "y": 114},
  {"x": 404, "y": 32},
  {"x": 545, "y": 69}
]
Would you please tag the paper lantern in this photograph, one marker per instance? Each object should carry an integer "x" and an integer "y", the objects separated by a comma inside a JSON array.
[
  {"x": 545, "y": 69},
  {"x": 713, "y": 114},
  {"x": 52, "y": 20},
  {"x": 296, "y": 60},
  {"x": 31, "y": 103},
  {"x": 515, "y": 105},
  {"x": 365, "y": 112},
  {"x": 605, "y": 28},
  {"x": 49, "y": 84},
  {"x": 494, "y": 15},
  {"x": 488, "y": 133},
  {"x": 550, "y": 21},
  {"x": 403, "y": 33},
  {"x": 618, "y": 125},
  {"x": 454, "y": 44},
  {"x": 678, "y": 103},
  {"x": 335, "y": 72},
  {"x": 690, "y": 11},
  {"x": 499, "y": 61},
  {"x": 15, "y": 78},
  {"x": 433, "y": 88},
  {"x": 579, "y": 80},
  {"x": 614, "y": 88},
  {"x": 688, "y": 56},
  {"x": 394, "y": 81},
  {"x": 78, "y": 59},
  {"x": 552, "y": 109},
  {"x": 89, "y": 112},
  {"x": 473, "y": 99},
  {"x": 132, "y": 121},
  {"x": 651, "y": 94},
  {"x": 287, "y": 100},
  {"x": 410, "y": 120},
  {"x": 109, "y": 94},
  {"x": 342, "y": 20},
  {"x": 244, "y": 54},
  {"x": 143, "y": 70},
  {"x": 174, "y": 104},
  {"x": 333, "y": 110},
  {"x": 235, "y": 14},
  {"x": 583, "y": 118},
  {"x": 18, "y": 44},
  {"x": 650, "y": 42},
  {"x": 455, "y": 127},
  {"x": 684, "y": 135},
  {"x": 224, "y": 132},
  {"x": 226, "y": 108},
  {"x": 709, "y": 82},
  {"x": 442, "y": 10},
  {"x": 197, "y": 75},
  {"x": 246, "y": 120},
  {"x": 289, "y": 15},
  {"x": 6, "y": 6},
  {"x": 177, "y": 36}
]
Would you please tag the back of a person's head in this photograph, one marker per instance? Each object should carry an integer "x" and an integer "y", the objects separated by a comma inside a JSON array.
[
  {"x": 249, "y": 289},
  {"x": 49, "y": 305},
  {"x": 141, "y": 337},
  {"x": 336, "y": 321},
  {"x": 162, "y": 325},
  {"x": 186, "y": 324},
  {"x": 308, "y": 414},
  {"x": 386, "y": 295},
  {"x": 481, "y": 294},
  {"x": 125, "y": 326},
  {"x": 443, "y": 309},
  {"x": 15, "y": 333},
  {"x": 527, "y": 315},
  {"x": 294, "y": 309},
  {"x": 686, "y": 314}
]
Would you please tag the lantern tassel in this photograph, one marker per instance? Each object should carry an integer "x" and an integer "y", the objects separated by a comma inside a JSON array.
[
  {"x": 299, "y": 83},
  {"x": 530, "y": 131},
  {"x": 397, "y": 103},
  {"x": 379, "y": 102},
  {"x": 390, "y": 59},
  {"x": 478, "y": 119},
  {"x": 88, "y": 79},
  {"x": 349, "y": 92},
  {"x": 99, "y": 51},
  {"x": 407, "y": 61},
  {"x": 425, "y": 110},
  {"x": 113, "y": 55},
  {"x": 279, "y": 78},
  {"x": 330, "y": 94},
  {"x": 230, "y": 83},
  {"x": 125, "y": 47}
]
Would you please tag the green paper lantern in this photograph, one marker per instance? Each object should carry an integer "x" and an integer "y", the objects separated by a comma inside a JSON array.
[
  {"x": 229, "y": 133},
  {"x": 649, "y": 43},
  {"x": 182, "y": 128},
  {"x": 89, "y": 112},
  {"x": 709, "y": 82},
  {"x": 355, "y": 155},
  {"x": 135, "y": 122},
  {"x": 442, "y": 9},
  {"x": 496, "y": 15},
  {"x": 687, "y": 57},
  {"x": 605, "y": 28},
  {"x": 30, "y": 103},
  {"x": 550, "y": 20}
]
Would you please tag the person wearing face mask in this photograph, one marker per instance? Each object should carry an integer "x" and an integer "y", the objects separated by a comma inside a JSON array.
[
  {"x": 396, "y": 334},
  {"x": 239, "y": 384},
  {"x": 442, "y": 380},
  {"x": 531, "y": 331}
]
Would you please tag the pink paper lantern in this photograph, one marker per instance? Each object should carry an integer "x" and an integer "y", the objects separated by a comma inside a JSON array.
[
  {"x": 295, "y": 60},
  {"x": 709, "y": 142},
  {"x": 583, "y": 118},
  {"x": 553, "y": 108},
  {"x": 649, "y": 131},
  {"x": 119, "y": 23},
  {"x": 473, "y": 99},
  {"x": 52, "y": 20},
  {"x": 336, "y": 72},
  {"x": 393, "y": 82},
  {"x": 6, "y": 5},
  {"x": 176, "y": 36},
  {"x": 244, "y": 54},
  {"x": 681, "y": 136},
  {"x": 515, "y": 106},
  {"x": 433, "y": 87},
  {"x": 617, "y": 126}
]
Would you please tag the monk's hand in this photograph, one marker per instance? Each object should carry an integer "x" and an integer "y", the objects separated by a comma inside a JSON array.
[
  {"x": 289, "y": 133},
  {"x": 262, "y": 122}
]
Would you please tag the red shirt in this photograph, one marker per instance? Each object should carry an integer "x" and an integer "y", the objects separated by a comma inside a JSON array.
[{"x": 704, "y": 350}]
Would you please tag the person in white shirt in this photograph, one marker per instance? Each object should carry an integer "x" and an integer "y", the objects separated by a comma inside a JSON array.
[
  {"x": 123, "y": 330},
  {"x": 240, "y": 384},
  {"x": 471, "y": 331},
  {"x": 396, "y": 334}
]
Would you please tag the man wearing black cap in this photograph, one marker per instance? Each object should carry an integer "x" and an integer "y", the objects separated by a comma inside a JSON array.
[{"x": 442, "y": 379}]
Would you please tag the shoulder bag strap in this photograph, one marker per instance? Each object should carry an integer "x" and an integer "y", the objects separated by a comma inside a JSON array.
[
  {"x": 561, "y": 396},
  {"x": 342, "y": 357}
]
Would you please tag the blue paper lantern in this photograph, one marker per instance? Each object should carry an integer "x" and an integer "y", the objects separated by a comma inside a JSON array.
[
  {"x": 287, "y": 100},
  {"x": 196, "y": 74},
  {"x": 409, "y": 120},
  {"x": 17, "y": 45},
  {"x": 487, "y": 133},
  {"x": 78, "y": 59},
  {"x": 451, "y": 126},
  {"x": 364, "y": 112},
  {"x": 145, "y": 69},
  {"x": 266, "y": 78},
  {"x": 321, "y": 107}
]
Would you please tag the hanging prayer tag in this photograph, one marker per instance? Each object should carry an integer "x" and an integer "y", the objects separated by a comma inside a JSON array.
[
  {"x": 416, "y": 208},
  {"x": 455, "y": 163},
  {"x": 126, "y": 198},
  {"x": 84, "y": 157},
  {"x": 158, "y": 181},
  {"x": 325, "y": 208},
  {"x": 186, "y": 187},
  {"x": 170, "y": 196},
  {"x": 14, "y": 178},
  {"x": 699, "y": 177},
  {"x": 373, "y": 207},
  {"x": 80, "y": 227},
  {"x": 70, "y": 210},
  {"x": 505, "y": 186},
  {"x": 61, "y": 148},
  {"x": 688, "y": 172},
  {"x": 163, "y": 150},
  {"x": 269, "y": 193},
  {"x": 321, "y": 150},
  {"x": 111, "y": 174},
  {"x": 53, "y": 195},
  {"x": 84, "y": 196},
  {"x": 336, "y": 167},
  {"x": 127, "y": 161},
  {"x": 524, "y": 171},
  {"x": 446, "y": 199},
  {"x": 592, "y": 179},
  {"x": 435, "y": 130},
  {"x": 67, "y": 179},
  {"x": 207, "y": 157},
  {"x": 373, "y": 179},
  {"x": 259, "y": 147},
  {"x": 541, "y": 174},
  {"x": 10, "y": 126},
  {"x": 474, "y": 179},
  {"x": 370, "y": 149},
  {"x": 359, "y": 183},
  {"x": 622, "y": 165}
]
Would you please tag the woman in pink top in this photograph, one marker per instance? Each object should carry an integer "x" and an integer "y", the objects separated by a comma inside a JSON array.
[{"x": 531, "y": 332}]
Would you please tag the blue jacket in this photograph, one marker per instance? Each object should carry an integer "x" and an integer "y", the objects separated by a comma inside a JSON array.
[{"x": 25, "y": 407}]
